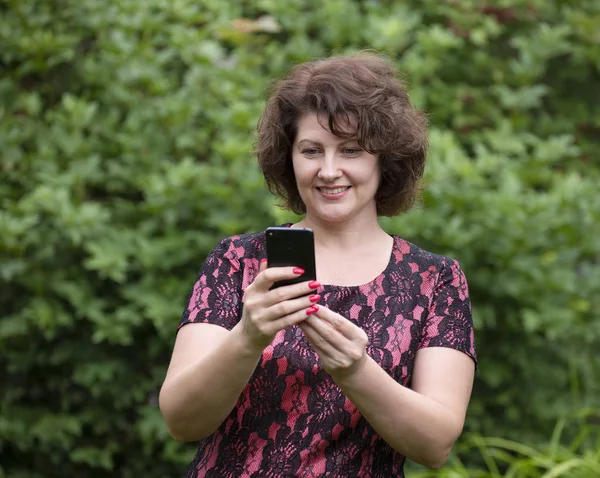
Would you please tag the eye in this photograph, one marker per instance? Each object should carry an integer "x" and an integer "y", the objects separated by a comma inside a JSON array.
[
  {"x": 310, "y": 151},
  {"x": 352, "y": 151}
]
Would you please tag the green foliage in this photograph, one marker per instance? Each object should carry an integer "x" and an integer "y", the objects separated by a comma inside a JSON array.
[
  {"x": 126, "y": 153},
  {"x": 508, "y": 459}
]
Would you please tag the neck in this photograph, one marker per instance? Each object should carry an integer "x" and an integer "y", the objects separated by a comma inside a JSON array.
[{"x": 345, "y": 235}]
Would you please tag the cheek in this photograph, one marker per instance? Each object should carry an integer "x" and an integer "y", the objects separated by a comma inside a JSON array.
[
  {"x": 375, "y": 172},
  {"x": 368, "y": 175},
  {"x": 297, "y": 170},
  {"x": 304, "y": 172}
]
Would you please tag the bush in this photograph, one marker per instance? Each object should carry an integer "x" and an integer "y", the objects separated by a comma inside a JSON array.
[{"x": 127, "y": 153}]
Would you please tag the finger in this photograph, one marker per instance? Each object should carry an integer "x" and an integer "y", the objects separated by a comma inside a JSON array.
[
  {"x": 292, "y": 291},
  {"x": 347, "y": 331},
  {"x": 296, "y": 318},
  {"x": 339, "y": 323},
  {"x": 291, "y": 306},
  {"x": 266, "y": 278},
  {"x": 326, "y": 334},
  {"x": 321, "y": 346},
  {"x": 263, "y": 266}
]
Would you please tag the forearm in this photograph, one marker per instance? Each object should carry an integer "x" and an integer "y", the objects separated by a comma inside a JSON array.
[
  {"x": 197, "y": 400},
  {"x": 413, "y": 424}
]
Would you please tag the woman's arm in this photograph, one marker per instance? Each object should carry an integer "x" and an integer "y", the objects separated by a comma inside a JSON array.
[
  {"x": 209, "y": 368},
  {"x": 422, "y": 423},
  {"x": 210, "y": 365}
]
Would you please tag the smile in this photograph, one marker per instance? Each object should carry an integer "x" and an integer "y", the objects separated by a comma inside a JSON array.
[{"x": 334, "y": 190}]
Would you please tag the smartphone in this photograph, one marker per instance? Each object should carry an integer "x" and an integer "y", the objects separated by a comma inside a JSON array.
[{"x": 291, "y": 247}]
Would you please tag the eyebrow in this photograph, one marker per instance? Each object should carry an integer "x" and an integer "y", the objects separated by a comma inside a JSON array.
[{"x": 341, "y": 143}]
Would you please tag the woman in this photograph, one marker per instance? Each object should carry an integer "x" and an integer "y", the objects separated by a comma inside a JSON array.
[{"x": 348, "y": 375}]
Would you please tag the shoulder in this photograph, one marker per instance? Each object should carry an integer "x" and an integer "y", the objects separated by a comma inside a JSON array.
[
  {"x": 411, "y": 253},
  {"x": 242, "y": 245},
  {"x": 236, "y": 257},
  {"x": 243, "y": 252},
  {"x": 433, "y": 270}
]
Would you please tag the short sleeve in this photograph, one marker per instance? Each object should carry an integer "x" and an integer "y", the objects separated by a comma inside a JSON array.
[
  {"x": 216, "y": 296},
  {"x": 449, "y": 322}
]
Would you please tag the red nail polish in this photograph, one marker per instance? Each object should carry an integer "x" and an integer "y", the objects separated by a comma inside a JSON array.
[
  {"x": 312, "y": 309},
  {"x": 314, "y": 284},
  {"x": 315, "y": 298},
  {"x": 262, "y": 261},
  {"x": 298, "y": 270}
]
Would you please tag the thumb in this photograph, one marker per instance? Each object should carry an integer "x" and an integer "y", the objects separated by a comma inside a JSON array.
[{"x": 263, "y": 265}]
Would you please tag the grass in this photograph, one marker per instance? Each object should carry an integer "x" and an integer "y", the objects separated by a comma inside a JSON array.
[{"x": 503, "y": 458}]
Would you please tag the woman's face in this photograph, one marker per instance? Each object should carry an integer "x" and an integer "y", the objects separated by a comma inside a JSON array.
[{"x": 336, "y": 178}]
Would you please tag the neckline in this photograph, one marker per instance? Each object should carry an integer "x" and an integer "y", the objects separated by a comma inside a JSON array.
[{"x": 376, "y": 279}]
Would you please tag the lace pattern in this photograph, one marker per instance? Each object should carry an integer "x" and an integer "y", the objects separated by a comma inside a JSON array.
[{"x": 291, "y": 419}]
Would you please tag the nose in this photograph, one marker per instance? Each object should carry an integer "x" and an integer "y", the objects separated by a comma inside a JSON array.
[{"x": 329, "y": 170}]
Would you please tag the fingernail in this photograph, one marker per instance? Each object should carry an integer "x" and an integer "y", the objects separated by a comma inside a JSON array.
[
  {"x": 312, "y": 309},
  {"x": 315, "y": 298},
  {"x": 314, "y": 284},
  {"x": 298, "y": 270},
  {"x": 262, "y": 261}
]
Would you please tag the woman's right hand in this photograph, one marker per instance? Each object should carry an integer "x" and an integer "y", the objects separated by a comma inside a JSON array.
[{"x": 265, "y": 312}]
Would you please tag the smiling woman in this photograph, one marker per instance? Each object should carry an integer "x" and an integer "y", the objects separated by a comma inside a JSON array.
[
  {"x": 337, "y": 180},
  {"x": 358, "y": 98},
  {"x": 350, "y": 374}
]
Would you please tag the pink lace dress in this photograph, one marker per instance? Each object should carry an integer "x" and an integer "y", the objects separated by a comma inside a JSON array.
[{"x": 291, "y": 419}]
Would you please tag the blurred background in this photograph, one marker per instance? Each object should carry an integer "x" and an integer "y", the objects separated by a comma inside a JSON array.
[{"x": 126, "y": 138}]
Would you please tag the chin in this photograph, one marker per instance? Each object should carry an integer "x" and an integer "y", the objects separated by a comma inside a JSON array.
[{"x": 334, "y": 217}]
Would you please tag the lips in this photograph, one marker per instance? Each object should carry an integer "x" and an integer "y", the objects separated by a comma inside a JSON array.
[{"x": 337, "y": 190}]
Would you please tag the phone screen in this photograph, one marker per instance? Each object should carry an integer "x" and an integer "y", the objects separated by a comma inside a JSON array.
[{"x": 291, "y": 247}]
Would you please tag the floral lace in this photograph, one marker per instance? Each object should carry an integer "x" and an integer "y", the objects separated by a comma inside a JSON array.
[{"x": 291, "y": 419}]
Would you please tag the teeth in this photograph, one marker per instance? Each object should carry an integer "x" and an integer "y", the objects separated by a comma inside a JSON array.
[{"x": 333, "y": 191}]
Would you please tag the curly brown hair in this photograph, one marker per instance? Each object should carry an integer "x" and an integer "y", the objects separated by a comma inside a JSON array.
[{"x": 364, "y": 88}]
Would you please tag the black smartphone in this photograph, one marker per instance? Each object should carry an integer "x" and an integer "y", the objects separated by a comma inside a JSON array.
[{"x": 295, "y": 247}]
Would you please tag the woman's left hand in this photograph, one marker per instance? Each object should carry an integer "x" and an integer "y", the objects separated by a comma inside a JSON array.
[{"x": 340, "y": 344}]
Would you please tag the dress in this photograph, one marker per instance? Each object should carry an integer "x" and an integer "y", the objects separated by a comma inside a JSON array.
[{"x": 291, "y": 418}]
